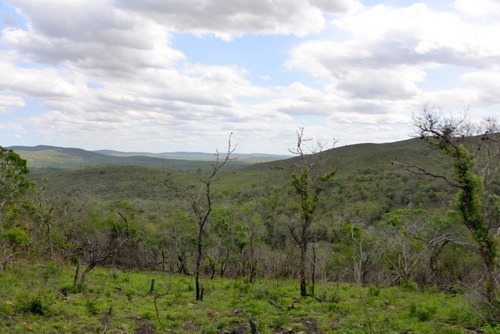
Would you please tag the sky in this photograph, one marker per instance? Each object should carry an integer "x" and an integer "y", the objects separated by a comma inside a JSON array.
[{"x": 182, "y": 75}]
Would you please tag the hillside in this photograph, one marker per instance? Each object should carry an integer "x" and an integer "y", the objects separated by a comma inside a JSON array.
[{"x": 366, "y": 158}]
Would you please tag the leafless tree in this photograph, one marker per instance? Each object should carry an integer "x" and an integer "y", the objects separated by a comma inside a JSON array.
[{"x": 202, "y": 207}]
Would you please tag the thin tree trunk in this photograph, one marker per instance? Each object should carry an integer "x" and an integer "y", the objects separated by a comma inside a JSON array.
[
  {"x": 49, "y": 237},
  {"x": 490, "y": 278},
  {"x": 313, "y": 271},
  {"x": 86, "y": 271},
  {"x": 76, "y": 273},
  {"x": 198, "y": 263},
  {"x": 302, "y": 270}
]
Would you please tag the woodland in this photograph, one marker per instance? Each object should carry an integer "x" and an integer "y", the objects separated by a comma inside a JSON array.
[{"x": 399, "y": 237}]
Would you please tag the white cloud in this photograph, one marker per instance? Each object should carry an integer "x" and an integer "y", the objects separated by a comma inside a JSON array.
[
  {"x": 389, "y": 51},
  {"x": 9, "y": 101},
  {"x": 338, "y": 7},
  {"x": 238, "y": 17},
  {"x": 478, "y": 7},
  {"x": 139, "y": 44},
  {"x": 487, "y": 84},
  {"x": 34, "y": 82},
  {"x": 11, "y": 126}
]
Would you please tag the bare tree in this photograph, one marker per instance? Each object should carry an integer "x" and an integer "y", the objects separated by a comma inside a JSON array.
[{"x": 202, "y": 207}]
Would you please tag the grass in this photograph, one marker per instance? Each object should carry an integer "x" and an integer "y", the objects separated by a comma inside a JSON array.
[{"x": 36, "y": 298}]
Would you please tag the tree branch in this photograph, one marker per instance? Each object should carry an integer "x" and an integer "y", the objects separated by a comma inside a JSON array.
[{"x": 417, "y": 170}]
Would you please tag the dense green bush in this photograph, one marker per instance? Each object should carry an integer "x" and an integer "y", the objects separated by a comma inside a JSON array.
[{"x": 36, "y": 301}]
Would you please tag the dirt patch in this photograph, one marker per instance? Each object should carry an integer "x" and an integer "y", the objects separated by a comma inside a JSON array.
[
  {"x": 144, "y": 327},
  {"x": 311, "y": 325},
  {"x": 239, "y": 328}
]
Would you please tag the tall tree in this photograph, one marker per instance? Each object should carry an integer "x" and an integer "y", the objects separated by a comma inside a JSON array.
[
  {"x": 307, "y": 187},
  {"x": 445, "y": 135}
]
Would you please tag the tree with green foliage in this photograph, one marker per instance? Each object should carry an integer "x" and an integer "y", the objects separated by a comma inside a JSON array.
[
  {"x": 444, "y": 135},
  {"x": 13, "y": 182},
  {"x": 307, "y": 187}
]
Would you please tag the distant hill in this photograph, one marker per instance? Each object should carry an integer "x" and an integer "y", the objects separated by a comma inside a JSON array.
[
  {"x": 200, "y": 156},
  {"x": 44, "y": 159}
]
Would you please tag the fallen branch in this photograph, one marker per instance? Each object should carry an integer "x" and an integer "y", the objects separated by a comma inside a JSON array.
[
  {"x": 253, "y": 327},
  {"x": 107, "y": 321},
  {"x": 318, "y": 299},
  {"x": 7, "y": 317},
  {"x": 275, "y": 305},
  {"x": 4, "y": 261}
]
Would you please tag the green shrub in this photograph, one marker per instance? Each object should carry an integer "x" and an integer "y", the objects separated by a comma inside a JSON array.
[
  {"x": 465, "y": 317},
  {"x": 16, "y": 236},
  {"x": 148, "y": 315},
  {"x": 115, "y": 274},
  {"x": 79, "y": 287},
  {"x": 422, "y": 312},
  {"x": 408, "y": 285},
  {"x": 51, "y": 270},
  {"x": 36, "y": 301},
  {"x": 278, "y": 322},
  {"x": 374, "y": 291},
  {"x": 92, "y": 306},
  {"x": 130, "y": 293},
  {"x": 210, "y": 329},
  {"x": 260, "y": 291}
]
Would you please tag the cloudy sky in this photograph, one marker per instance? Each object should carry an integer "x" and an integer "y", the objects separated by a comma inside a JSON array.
[{"x": 181, "y": 75}]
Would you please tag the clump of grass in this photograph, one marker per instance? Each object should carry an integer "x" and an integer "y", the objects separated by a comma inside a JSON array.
[{"x": 374, "y": 291}]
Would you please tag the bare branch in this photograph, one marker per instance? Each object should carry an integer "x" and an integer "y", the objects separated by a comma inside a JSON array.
[{"x": 417, "y": 170}]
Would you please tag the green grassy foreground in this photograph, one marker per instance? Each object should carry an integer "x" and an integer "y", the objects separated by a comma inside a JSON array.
[{"x": 41, "y": 299}]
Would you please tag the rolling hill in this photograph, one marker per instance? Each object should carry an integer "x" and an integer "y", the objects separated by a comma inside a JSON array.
[{"x": 48, "y": 159}]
